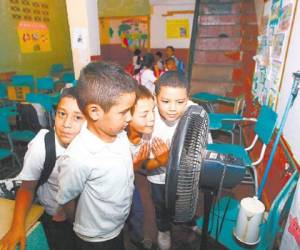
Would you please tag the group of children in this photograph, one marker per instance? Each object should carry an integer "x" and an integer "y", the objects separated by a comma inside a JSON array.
[
  {"x": 147, "y": 69},
  {"x": 105, "y": 129}
]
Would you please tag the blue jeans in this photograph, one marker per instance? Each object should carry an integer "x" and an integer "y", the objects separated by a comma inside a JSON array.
[
  {"x": 162, "y": 218},
  {"x": 135, "y": 220}
]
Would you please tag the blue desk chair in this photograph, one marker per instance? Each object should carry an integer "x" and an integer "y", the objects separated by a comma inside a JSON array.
[
  {"x": 45, "y": 85},
  {"x": 227, "y": 209},
  {"x": 3, "y": 90},
  {"x": 68, "y": 77},
  {"x": 227, "y": 122},
  {"x": 264, "y": 128},
  {"x": 8, "y": 152},
  {"x": 56, "y": 69},
  {"x": 15, "y": 135},
  {"x": 209, "y": 99},
  {"x": 23, "y": 80}
]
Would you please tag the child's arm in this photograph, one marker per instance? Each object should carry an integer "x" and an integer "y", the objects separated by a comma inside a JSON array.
[
  {"x": 23, "y": 203},
  {"x": 141, "y": 156},
  {"x": 70, "y": 209},
  {"x": 72, "y": 178}
]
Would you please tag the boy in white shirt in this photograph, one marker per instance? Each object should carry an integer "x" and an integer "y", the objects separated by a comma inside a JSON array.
[
  {"x": 97, "y": 167},
  {"x": 59, "y": 232},
  {"x": 172, "y": 93},
  {"x": 139, "y": 132}
]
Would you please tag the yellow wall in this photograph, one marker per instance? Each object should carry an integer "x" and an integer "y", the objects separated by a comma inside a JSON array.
[
  {"x": 114, "y": 8},
  {"x": 36, "y": 63}
]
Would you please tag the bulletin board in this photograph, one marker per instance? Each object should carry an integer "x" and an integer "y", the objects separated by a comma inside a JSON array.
[
  {"x": 270, "y": 59},
  {"x": 129, "y": 32}
]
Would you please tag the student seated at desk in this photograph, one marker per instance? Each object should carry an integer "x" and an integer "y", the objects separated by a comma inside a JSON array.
[{"x": 59, "y": 233}]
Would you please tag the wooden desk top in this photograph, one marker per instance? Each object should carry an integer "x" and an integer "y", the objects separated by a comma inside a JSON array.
[{"x": 7, "y": 211}]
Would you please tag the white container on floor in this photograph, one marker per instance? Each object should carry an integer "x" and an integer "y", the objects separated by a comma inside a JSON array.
[{"x": 249, "y": 220}]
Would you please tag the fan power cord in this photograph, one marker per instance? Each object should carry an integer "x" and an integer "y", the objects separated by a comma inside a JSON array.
[{"x": 218, "y": 231}]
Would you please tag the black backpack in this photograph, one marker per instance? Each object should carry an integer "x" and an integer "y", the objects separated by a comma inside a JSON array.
[
  {"x": 27, "y": 118},
  {"x": 50, "y": 158}
]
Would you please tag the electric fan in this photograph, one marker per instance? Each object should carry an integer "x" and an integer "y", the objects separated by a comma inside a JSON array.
[{"x": 191, "y": 167}]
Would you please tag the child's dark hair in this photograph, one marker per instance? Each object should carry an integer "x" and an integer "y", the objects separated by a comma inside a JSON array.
[
  {"x": 137, "y": 52},
  {"x": 173, "y": 79},
  {"x": 159, "y": 54},
  {"x": 171, "y": 48},
  {"x": 148, "y": 60},
  {"x": 102, "y": 83},
  {"x": 141, "y": 93},
  {"x": 170, "y": 59},
  {"x": 69, "y": 92}
]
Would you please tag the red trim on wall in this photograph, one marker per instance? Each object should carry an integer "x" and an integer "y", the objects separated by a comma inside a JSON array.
[{"x": 96, "y": 58}]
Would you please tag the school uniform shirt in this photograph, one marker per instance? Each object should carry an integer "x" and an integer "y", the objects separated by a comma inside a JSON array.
[
  {"x": 33, "y": 165},
  {"x": 147, "y": 79},
  {"x": 101, "y": 174},
  {"x": 165, "y": 131}
]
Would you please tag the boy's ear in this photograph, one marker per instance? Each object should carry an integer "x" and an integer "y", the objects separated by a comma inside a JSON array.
[{"x": 94, "y": 111}]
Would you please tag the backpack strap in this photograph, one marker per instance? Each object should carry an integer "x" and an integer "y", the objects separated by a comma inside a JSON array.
[{"x": 50, "y": 158}]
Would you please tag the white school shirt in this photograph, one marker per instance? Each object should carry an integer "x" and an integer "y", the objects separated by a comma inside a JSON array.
[
  {"x": 165, "y": 131},
  {"x": 102, "y": 175},
  {"x": 147, "y": 79},
  {"x": 32, "y": 168}
]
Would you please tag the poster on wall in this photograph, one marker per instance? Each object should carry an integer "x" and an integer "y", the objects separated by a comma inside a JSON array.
[
  {"x": 277, "y": 46},
  {"x": 33, "y": 37},
  {"x": 30, "y": 10},
  {"x": 272, "y": 48},
  {"x": 177, "y": 28},
  {"x": 129, "y": 32}
]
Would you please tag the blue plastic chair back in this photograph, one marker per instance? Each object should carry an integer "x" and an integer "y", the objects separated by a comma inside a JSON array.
[
  {"x": 44, "y": 100},
  {"x": 56, "y": 68},
  {"x": 3, "y": 90},
  {"x": 23, "y": 80},
  {"x": 68, "y": 77},
  {"x": 265, "y": 124},
  {"x": 4, "y": 125},
  {"x": 45, "y": 83}
]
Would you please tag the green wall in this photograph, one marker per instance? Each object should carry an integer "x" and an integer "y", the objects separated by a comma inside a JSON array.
[
  {"x": 115, "y": 8},
  {"x": 37, "y": 63}
]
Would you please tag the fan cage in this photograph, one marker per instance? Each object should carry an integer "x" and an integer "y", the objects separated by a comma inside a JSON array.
[{"x": 188, "y": 172}]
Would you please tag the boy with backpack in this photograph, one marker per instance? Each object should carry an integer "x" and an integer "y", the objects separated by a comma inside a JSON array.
[{"x": 39, "y": 176}]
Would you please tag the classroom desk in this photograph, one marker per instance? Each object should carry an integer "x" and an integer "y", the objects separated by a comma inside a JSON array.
[
  {"x": 35, "y": 233},
  {"x": 209, "y": 99}
]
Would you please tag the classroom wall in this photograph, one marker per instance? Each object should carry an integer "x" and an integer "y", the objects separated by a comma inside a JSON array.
[
  {"x": 259, "y": 6},
  {"x": 291, "y": 129},
  {"x": 36, "y": 63},
  {"x": 287, "y": 152},
  {"x": 158, "y": 40}
]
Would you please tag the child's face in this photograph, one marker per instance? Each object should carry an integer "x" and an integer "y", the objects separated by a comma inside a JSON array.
[
  {"x": 171, "y": 65},
  {"x": 169, "y": 52},
  {"x": 171, "y": 102},
  {"x": 143, "y": 116},
  {"x": 117, "y": 118},
  {"x": 68, "y": 120}
]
